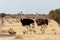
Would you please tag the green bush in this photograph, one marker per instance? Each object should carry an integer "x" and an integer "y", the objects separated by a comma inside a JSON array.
[{"x": 55, "y": 14}]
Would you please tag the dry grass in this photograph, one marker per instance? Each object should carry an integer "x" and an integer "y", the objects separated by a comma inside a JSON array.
[
  {"x": 18, "y": 37},
  {"x": 51, "y": 32}
]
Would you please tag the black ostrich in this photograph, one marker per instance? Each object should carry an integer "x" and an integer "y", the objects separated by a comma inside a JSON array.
[
  {"x": 27, "y": 22},
  {"x": 42, "y": 22}
]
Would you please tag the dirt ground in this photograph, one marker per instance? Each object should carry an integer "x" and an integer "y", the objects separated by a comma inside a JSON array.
[{"x": 48, "y": 32}]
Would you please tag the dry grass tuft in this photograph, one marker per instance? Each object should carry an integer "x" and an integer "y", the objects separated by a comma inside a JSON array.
[{"x": 18, "y": 37}]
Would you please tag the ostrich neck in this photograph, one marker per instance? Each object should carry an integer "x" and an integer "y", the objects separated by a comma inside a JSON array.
[{"x": 21, "y": 19}]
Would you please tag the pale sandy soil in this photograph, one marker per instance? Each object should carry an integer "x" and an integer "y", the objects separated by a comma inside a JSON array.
[{"x": 50, "y": 32}]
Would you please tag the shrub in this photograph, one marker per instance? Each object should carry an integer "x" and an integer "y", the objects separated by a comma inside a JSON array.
[{"x": 55, "y": 14}]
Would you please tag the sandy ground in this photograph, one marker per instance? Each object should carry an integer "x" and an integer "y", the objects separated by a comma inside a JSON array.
[{"x": 49, "y": 32}]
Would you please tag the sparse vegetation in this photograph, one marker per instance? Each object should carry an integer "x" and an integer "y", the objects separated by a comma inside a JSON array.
[
  {"x": 55, "y": 14},
  {"x": 2, "y": 15},
  {"x": 34, "y": 31},
  {"x": 11, "y": 32},
  {"x": 18, "y": 37}
]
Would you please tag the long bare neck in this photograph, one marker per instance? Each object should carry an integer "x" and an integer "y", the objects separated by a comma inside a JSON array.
[{"x": 21, "y": 19}]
